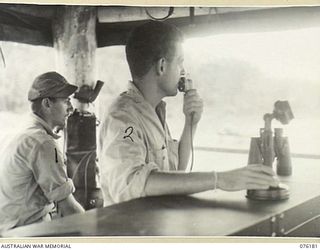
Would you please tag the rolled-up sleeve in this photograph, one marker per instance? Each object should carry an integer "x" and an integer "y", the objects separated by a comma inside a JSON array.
[
  {"x": 124, "y": 170},
  {"x": 50, "y": 172}
]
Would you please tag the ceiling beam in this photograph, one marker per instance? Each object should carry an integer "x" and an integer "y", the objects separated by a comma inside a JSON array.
[
  {"x": 23, "y": 28},
  {"x": 38, "y": 30},
  {"x": 264, "y": 20},
  {"x": 45, "y": 11},
  {"x": 21, "y": 35},
  {"x": 116, "y": 14},
  {"x": 27, "y": 21}
]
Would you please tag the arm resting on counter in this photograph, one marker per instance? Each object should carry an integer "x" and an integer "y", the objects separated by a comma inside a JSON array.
[{"x": 69, "y": 206}]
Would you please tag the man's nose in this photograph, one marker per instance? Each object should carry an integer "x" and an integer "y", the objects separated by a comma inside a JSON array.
[
  {"x": 70, "y": 108},
  {"x": 183, "y": 72}
]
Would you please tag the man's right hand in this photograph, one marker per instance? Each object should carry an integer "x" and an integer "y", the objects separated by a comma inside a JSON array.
[{"x": 254, "y": 176}]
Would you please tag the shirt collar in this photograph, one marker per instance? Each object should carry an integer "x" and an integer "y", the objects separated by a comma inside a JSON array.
[
  {"x": 160, "y": 110},
  {"x": 135, "y": 93},
  {"x": 38, "y": 121}
]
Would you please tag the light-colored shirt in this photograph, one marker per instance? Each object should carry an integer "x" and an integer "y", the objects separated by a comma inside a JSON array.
[
  {"x": 32, "y": 176},
  {"x": 134, "y": 140}
]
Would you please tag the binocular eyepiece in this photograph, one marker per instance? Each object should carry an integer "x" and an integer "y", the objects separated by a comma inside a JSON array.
[{"x": 282, "y": 112}]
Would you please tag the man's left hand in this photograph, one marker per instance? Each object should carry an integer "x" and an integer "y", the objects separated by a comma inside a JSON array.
[{"x": 192, "y": 107}]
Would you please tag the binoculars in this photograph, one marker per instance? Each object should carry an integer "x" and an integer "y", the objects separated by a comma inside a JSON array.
[
  {"x": 271, "y": 145},
  {"x": 263, "y": 151}
]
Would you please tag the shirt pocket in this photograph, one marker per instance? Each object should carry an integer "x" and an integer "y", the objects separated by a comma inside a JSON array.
[{"x": 159, "y": 156}]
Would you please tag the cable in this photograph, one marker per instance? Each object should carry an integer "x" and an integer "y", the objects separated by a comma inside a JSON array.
[
  {"x": 86, "y": 177},
  {"x": 87, "y": 157},
  {"x": 191, "y": 142},
  {"x": 2, "y": 57}
]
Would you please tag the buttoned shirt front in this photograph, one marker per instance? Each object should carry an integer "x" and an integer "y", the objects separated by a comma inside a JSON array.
[
  {"x": 134, "y": 140},
  {"x": 32, "y": 176}
]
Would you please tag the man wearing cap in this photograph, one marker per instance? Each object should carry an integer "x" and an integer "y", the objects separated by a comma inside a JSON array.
[{"x": 32, "y": 172}]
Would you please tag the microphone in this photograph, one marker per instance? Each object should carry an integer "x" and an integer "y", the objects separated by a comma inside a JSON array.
[{"x": 185, "y": 83}]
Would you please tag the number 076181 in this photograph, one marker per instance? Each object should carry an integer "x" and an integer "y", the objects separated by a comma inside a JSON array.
[{"x": 308, "y": 246}]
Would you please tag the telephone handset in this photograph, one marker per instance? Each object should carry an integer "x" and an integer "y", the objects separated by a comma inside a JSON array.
[{"x": 185, "y": 84}]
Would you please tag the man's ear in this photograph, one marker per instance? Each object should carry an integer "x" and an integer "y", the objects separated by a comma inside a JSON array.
[
  {"x": 45, "y": 103},
  {"x": 161, "y": 66}
]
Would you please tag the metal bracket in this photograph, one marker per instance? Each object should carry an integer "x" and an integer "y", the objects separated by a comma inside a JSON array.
[
  {"x": 281, "y": 229},
  {"x": 277, "y": 225},
  {"x": 273, "y": 225}
]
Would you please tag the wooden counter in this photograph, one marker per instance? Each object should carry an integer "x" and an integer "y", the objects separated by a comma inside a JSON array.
[{"x": 205, "y": 214}]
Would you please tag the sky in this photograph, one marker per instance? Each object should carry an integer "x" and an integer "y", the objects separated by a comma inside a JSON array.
[{"x": 281, "y": 53}]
